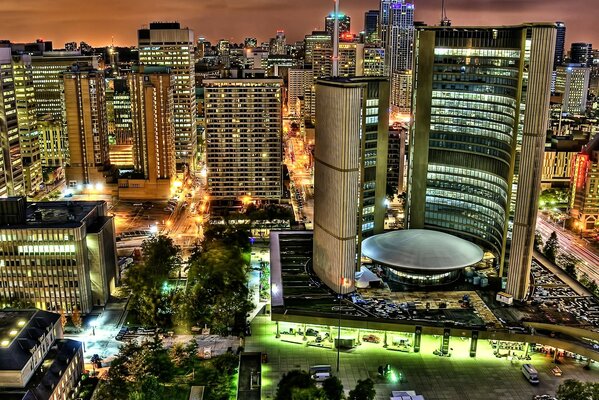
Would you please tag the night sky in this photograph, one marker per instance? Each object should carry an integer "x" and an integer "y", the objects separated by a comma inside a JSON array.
[{"x": 97, "y": 21}]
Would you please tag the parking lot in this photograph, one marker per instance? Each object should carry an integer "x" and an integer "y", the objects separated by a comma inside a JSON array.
[{"x": 438, "y": 378}]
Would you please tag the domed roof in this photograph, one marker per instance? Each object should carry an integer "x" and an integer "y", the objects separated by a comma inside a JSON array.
[{"x": 421, "y": 250}]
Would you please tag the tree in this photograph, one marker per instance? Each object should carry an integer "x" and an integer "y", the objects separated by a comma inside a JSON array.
[
  {"x": 76, "y": 318},
  {"x": 538, "y": 245},
  {"x": 63, "y": 318},
  {"x": 149, "y": 389},
  {"x": 333, "y": 388},
  {"x": 572, "y": 389},
  {"x": 294, "y": 379},
  {"x": 568, "y": 263},
  {"x": 364, "y": 390},
  {"x": 551, "y": 248}
]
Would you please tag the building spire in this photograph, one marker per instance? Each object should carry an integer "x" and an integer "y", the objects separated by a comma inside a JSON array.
[{"x": 336, "y": 41}]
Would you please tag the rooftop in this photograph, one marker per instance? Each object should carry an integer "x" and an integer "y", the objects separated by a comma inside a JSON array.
[
  {"x": 20, "y": 331},
  {"x": 421, "y": 250}
]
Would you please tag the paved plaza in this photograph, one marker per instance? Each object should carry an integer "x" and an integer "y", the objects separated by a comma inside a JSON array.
[{"x": 437, "y": 378}]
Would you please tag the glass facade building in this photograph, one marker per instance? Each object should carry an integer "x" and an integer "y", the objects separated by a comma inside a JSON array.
[{"x": 473, "y": 112}]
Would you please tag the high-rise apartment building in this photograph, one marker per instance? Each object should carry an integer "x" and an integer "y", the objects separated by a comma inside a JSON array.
[
  {"x": 396, "y": 25},
  {"x": 243, "y": 139},
  {"x": 166, "y": 44},
  {"x": 121, "y": 104},
  {"x": 153, "y": 135},
  {"x": 87, "y": 125},
  {"x": 560, "y": 44},
  {"x": 572, "y": 82},
  {"x": 476, "y": 146},
  {"x": 27, "y": 120},
  {"x": 56, "y": 255},
  {"x": 401, "y": 91},
  {"x": 316, "y": 39},
  {"x": 582, "y": 54},
  {"x": 10, "y": 143},
  {"x": 584, "y": 198},
  {"x": 299, "y": 86},
  {"x": 349, "y": 173}
]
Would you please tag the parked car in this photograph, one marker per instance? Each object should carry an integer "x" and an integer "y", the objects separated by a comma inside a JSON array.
[
  {"x": 311, "y": 332},
  {"x": 371, "y": 339}
]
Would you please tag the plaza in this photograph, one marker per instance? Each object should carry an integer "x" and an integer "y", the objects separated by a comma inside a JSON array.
[{"x": 460, "y": 376}]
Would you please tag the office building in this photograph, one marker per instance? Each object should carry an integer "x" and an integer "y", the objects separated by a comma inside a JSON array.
[
  {"x": 299, "y": 87},
  {"x": 47, "y": 69},
  {"x": 54, "y": 152},
  {"x": 476, "y": 148},
  {"x": 121, "y": 104},
  {"x": 243, "y": 140},
  {"x": 153, "y": 135},
  {"x": 349, "y": 173},
  {"x": 317, "y": 39},
  {"x": 27, "y": 120},
  {"x": 249, "y": 42},
  {"x": 36, "y": 363},
  {"x": 10, "y": 142},
  {"x": 584, "y": 198},
  {"x": 374, "y": 61},
  {"x": 371, "y": 24},
  {"x": 344, "y": 24},
  {"x": 351, "y": 59},
  {"x": 56, "y": 255},
  {"x": 560, "y": 44},
  {"x": 86, "y": 125},
  {"x": 166, "y": 44},
  {"x": 572, "y": 82},
  {"x": 582, "y": 54},
  {"x": 396, "y": 158}
]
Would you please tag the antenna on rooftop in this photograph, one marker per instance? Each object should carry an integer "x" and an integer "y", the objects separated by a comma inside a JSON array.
[{"x": 444, "y": 20}]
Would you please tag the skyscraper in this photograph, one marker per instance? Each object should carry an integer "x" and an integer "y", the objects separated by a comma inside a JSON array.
[
  {"x": 476, "y": 147},
  {"x": 152, "y": 112},
  {"x": 10, "y": 143},
  {"x": 560, "y": 44},
  {"x": 371, "y": 23},
  {"x": 27, "y": 119},
  {"x": 401, "y": 37},
  {"x": 584, "y": 202},
  {"x": 86, "y": 124},
  {"x": 581, "y": 53},
  {"x": 374, "y": 61},
  {"x": 572, "y": 82},
  {"x": 166, "y": 44},
  {"x": 349, "y": 173},
  {"x": 278, "y": 44},
  {"x": 344, "y": 24},
  {"x": 243, "y": 140}
]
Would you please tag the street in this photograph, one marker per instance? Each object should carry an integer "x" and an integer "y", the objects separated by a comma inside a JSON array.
[{"x": 571, "y": 244}]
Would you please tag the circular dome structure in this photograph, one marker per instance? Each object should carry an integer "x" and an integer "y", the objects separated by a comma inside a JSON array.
[{"x": 421, "y": 257}]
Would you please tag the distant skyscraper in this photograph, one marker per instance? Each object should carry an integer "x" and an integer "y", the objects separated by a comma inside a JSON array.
[
  {"x": 278, "y": 43},
  {"x": 560, "y": 44},
  {"x": 344, "y": 24},
  {"x": 71, "y": 46},
  {"x": 371, "y": 23},
  {"x": 121, "y": 104},
  {"x": 401, "y": 37},
  {"x": 250, "y": 42},
  {"x": 299, "y": 86},
  {"x": 401, "y": 91},
  {"x": 166, "y": 44},
  {"x": 243, "y": 140},
  {"x": 10, "y": 143},
  {"x": 317, "y": 39},
  {"x": 572, "y": 82},
  {"x": 476, "y": 147},
  {"x": 349, "y": 174},
  {"x": 86, "y": 124},
  {"x": 581, "y": 53},
  {"x": 374, "y": 61},
  {"x": 584, "y": 202}
]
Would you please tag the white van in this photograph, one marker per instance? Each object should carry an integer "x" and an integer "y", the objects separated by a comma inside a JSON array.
[
  {"x": 530, "y": 373},
  {"x": 321, "y": 376}
]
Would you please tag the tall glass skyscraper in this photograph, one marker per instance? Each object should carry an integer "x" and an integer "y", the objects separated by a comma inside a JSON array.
[{"x": 480, "y": 116}]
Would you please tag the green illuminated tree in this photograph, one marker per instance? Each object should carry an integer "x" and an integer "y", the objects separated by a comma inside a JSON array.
[
  {"x": 364, "y": 390},
  {"x": 538, "y": 245},
  {"x": 333, "y": 388},
  {"x": 572, "y": 389},
  {"x": 568, "y": 263},
  {"x": 294, "y": 379}
]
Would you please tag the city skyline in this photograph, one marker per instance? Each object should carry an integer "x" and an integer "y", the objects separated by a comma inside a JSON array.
[{"x": 259, "y": 18}]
